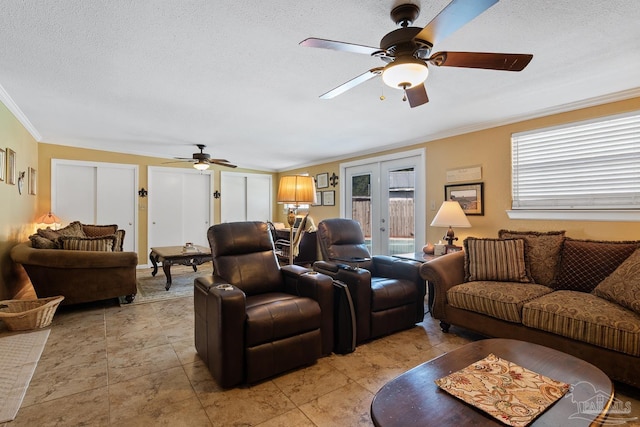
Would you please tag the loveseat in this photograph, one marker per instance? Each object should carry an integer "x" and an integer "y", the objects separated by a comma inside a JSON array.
[
  {"x": 82, "y": 262},
  {"x": 581, "y": 297}
]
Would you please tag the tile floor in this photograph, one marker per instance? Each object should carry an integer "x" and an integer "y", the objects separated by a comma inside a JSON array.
[{"x": 137, "y": 366}]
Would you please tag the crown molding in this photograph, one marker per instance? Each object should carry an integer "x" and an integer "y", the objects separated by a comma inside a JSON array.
[{"x": 17, "y": 112}]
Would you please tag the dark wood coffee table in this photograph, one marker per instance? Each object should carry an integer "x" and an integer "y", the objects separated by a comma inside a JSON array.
[
  {"x": 176, "y": 255},
  {"x": 413, "y": 399}
]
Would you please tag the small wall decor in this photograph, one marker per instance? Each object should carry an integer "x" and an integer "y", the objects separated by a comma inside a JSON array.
[
  {"x": 142, "y": 192},
  {"x": 328, "y": 198},
  {"x": 216, "y": 194},
  {"x": 33, "y": 181},
  {"x": 3, "y": 164},
  {"x": 21, "y": 181},
  {"x": 322, "y": 180},
  {"x": 470, "y": 197},
  {"x": 333, "y": 180},
  {"x": 318, "y": 199},
  {"x": 11, "y": 167}
]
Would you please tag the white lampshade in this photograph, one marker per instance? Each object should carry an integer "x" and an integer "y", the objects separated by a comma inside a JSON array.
[
  {"x": 201, "y": 165},
  {"x": 450, "y": 214},
  {"x": 405, "y": 72},
  {"x": 297, "y": 189}
]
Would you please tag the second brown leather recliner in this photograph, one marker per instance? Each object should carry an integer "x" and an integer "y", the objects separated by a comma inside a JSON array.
[
  {"x": 388, "y": 293},
  {"x": 253, "y": 319}
]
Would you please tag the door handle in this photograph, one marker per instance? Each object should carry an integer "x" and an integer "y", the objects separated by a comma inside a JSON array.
[{"x": 382, "y": 229}]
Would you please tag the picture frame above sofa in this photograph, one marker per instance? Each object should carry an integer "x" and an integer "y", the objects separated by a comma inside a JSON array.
[{"x": 470, "y": 197}]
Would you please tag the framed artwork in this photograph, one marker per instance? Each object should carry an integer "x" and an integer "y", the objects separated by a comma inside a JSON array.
[
  {"x": 12, "y": 173},
  {"x": 322, "y": 180},
  {"x": 470, "y": 197},
  {"x": 318, "y": 199},
  {"x": 328, "y": 198},
  {"x": 3, "y": 164},
  {"x": 33, "y": 181}
]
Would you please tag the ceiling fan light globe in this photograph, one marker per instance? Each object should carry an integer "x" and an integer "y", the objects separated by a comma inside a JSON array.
[
  {"x": 405, "y": 73},
  {"x": 201, "y": 166}
]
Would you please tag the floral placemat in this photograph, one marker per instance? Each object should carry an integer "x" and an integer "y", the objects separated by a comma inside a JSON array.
[{"x": 504, "y": 390}]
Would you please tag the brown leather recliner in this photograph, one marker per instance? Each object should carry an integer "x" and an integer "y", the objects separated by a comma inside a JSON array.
[
  {"x": 387, "y": 292},
  {"x": 253, "y": 319}
]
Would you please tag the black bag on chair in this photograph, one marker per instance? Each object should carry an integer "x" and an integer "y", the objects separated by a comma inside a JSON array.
[{"x": 344, "y": 321}]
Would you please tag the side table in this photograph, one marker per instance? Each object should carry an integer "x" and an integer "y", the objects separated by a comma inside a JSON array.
[{"x": 421, "y": 257}]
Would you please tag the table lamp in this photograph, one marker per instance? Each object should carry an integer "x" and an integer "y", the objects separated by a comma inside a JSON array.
[
  {"x": 450, "y": 215},
  {"x": 48, "y": 219},
  {"x": 295, "y": 190}
]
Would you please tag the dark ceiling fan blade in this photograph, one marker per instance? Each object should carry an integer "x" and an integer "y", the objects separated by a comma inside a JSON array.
[
  {"x": 452, "y": 18},
  {"x": 488, "y": 61},
  {"x": 340, "y": 46},
  {"x": 417, "y": 95},
  {"x": 222, "y": 163},
  {"x": 352, "y": 83}
]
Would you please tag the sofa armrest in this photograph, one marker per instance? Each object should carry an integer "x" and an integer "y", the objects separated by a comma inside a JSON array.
[
  {"x": 319, "y": 287},
  {"x": 226, "y": 313},
  {"x": 443, "y": 273},
  {"x": 24, "y": 254}
]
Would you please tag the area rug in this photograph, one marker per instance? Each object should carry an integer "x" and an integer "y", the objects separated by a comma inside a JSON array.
[
  {"x": 152, "y": 288},
  {"x": 19, "y": 355}
]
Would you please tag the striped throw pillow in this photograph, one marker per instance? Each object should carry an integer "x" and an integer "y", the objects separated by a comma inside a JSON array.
[
  {"x": 499, "y": 260},
  {"x": 103, "y": 244}
]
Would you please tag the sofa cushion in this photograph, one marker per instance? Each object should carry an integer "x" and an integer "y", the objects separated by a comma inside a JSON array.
[
  {"x": 39, "y": 242},
  {"x": 103, "y": 244},
  {"x": 117, "y": 247},
  {"x": 74, "y": 229},
  {"x": 585, "y": 317},
  {"x": 499, "y": 260},
  {"x": 586, "y": 263},
  {"x": 502, "y": 300},
  {"x": 542, "y": 253},
  {"x": 623, "y": 285},
  {"x": 92, "y": 230}
]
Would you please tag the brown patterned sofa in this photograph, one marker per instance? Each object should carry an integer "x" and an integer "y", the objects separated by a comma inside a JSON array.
[
  {"x": 82, "y": 262},
  {"x": 581, "y": 297}
]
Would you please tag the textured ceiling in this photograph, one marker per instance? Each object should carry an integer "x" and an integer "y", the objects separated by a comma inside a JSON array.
[{"x": 155, "y": 77}]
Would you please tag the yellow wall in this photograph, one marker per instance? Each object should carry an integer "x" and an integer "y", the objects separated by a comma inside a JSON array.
[
  {"x": 491, "y": 149},
  {"x": 17, "y": 211},
  {"x": 47, "y": 152}
]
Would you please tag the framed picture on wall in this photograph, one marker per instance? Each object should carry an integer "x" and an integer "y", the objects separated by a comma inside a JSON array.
[
  {"x": 322, "y": 180},
  {"x": 11, "y": 167},
  {"x": 3, "y": 164},
  {"x": 33, "y": 181},
  {"x": 318, "y": 199},
  {"x": 328, "y": 198},
  {"x": 470, "y": 197}
]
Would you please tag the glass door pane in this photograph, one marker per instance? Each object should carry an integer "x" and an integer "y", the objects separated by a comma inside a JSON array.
[
  {"x": 401, "y": 212},
  {"x": 361, "y": 204}
]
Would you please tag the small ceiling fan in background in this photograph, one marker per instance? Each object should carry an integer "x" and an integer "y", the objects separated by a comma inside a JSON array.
[
  {"x": 202, "y": 160},
  {"x": 407, "y": 50}
]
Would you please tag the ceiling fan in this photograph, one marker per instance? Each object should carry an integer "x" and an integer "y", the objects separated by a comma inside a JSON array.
[
  {"x": 202, "y": 160},
  {"x": 407, "y": 50}
]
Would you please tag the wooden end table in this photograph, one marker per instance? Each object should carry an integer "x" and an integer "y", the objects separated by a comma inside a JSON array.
[
  {"x": 414, "y": 399},
  {"x": 176, "y": 255}
]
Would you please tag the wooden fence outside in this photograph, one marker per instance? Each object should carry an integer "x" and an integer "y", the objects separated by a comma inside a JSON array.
[{"x": 400, "y": 221}]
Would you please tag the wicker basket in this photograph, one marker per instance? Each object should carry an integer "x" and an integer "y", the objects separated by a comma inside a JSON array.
[{"x": 21, "y": 315}]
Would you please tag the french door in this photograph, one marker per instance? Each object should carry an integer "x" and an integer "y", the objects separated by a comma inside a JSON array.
[{"x": 386, "y": 196}]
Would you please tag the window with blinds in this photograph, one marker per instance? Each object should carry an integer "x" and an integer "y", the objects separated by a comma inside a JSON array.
[{"x": 592, "y": 165}]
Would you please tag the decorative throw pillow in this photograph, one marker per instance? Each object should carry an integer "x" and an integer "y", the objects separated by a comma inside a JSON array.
[
  {"x": 623, "y": 285},
  {"x": 500, "y": 260},
  {"x": 119, "y": 240},
  {"x": 39, "y": 242},
  {"x": 103, "y": 244},
  {"x": 542, "y": 253},
  {"x": 92, "y": 230},
  {"x": 586, "y": 263},
  {"x": 74, "y": 229}
]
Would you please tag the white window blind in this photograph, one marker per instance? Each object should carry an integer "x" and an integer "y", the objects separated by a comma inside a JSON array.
[{"x": 585, "y": 165}]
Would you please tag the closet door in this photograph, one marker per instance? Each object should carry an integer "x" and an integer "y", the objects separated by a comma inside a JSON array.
[
  {"x": 245, "y": 197},
  {"x": 180, "y": 208},
  {"x": 96, "y": 193}
]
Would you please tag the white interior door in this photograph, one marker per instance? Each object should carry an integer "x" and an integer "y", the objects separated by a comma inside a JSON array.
[
  {"x": 180, "y": 206},
  {"x": 96, "y": 193},
  {"x": 245, "y": 197}
]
